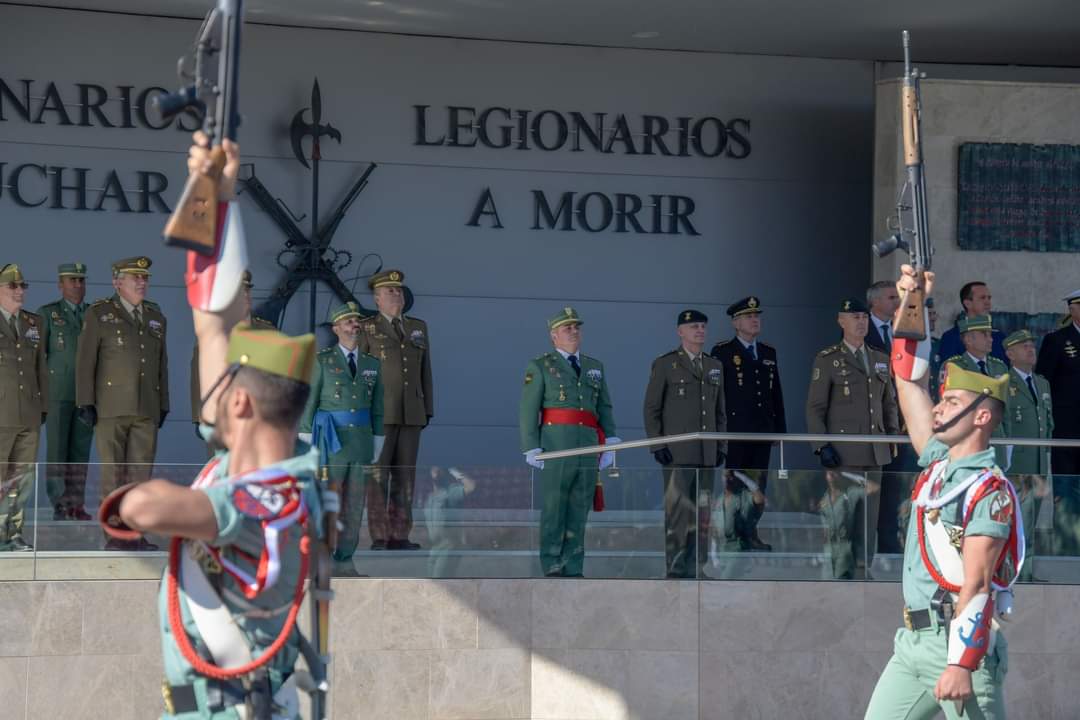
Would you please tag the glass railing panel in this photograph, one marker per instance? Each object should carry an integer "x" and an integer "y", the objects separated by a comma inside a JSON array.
[{"x": 18, "y": 523}]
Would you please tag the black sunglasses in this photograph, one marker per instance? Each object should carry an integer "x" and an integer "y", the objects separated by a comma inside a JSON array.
[{"x": 17, "y": 286}]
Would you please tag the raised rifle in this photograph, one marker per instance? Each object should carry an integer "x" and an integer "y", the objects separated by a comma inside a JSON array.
[
  {"x": 909, "y": 227},
  {"x": 193, "y": 224}
]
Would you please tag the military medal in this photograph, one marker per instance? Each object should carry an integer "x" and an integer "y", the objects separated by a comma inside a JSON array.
[
  {"x": 562, "y": 394},
  {"x": 60, "y": 341},
  {"x": 682, "y": 392},
  {"x": 737, "y": 360},
  {"x": 847, "y": 390}
]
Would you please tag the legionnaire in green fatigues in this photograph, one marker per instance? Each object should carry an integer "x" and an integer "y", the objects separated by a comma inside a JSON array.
[
  {"x": 403, "y": 347},
  {"x": 565, "y": 404},
  {"x": 122, "y": 379},
  {"x": 344, "y": 415},
  {"x": 851, "y": 392},
  {"x": 1028, "y": 414},
  {"x": 845, "y": 494},
  {"x": 685, "y": 394},
  {"x": 976, "y": 333},
  {"x": 255, "y": 322},
  {"x": 67, "y": 447},
  {"x": 734, "y": 515},
  {"x": 24, "y": 387}
]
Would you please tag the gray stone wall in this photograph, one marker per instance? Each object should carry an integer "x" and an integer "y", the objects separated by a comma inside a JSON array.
[
  {"x": 954, "y": 112},
  {"x": 543, "y": 649}
]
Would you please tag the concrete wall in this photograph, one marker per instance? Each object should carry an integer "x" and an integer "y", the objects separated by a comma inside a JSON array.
[
  {"x": 775, "y": 224},
  {"x": 544, "y": 649},
  {"x": 957, "y": 111}
]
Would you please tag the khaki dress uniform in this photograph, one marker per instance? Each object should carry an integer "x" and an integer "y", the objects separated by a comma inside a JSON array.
[
  {"x": 122, "y": 372},
  {"x": 403, "y": 349},
  {"x": 67, "y": 449},
  {"x": 853, "y": 393},
  {"x": 685, "y": 396},
  {"x": 24, "y": 392}
]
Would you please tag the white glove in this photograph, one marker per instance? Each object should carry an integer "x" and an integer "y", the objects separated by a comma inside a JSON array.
[
  {"x": 304, "y": 437},
  {"x": 530, "y": 458},
  {"x": 608, "y": 459},
  {"x": 379, "y": 441},
  {"x": 331, "y": 501}
]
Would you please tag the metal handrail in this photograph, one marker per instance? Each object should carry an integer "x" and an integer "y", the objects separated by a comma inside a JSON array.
[{"x": 780, "y": 438}]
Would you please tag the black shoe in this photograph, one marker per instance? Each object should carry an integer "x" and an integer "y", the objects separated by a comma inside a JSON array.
[
  {"x": 757, "y": 544},
  {"x": 378, "y": 545},
  {"x": 79, "y": 513},
  {"x": 18, "y": 544},
  {"x": 402, "y": 545},
  {"x": 59, "y": 513},
  {"x": 144, "y": 545},
  {"x": 118, "y": 544}
]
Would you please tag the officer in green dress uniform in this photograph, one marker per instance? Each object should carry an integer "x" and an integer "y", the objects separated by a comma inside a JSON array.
[
  {"x": 403, "y": 347},
  {"x": 1028, "y": 414},
  {"x": 851, "y": 392},
  {"x": 68, "y": 441},
  {"x": 24, "y": 387},
  {"x": 122, "y": 380},
  {"x": 977, "y": 335},
  {"x": 255, "y": 322},
  {"x": 344, "y": 416},
  {"x": 685, "y": 394},
  {"x": 958, "y": 566},
  {"x": 565, "y": 404}
]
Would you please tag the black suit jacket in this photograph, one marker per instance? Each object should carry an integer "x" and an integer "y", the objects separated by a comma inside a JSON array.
[
  {"x": 755, "y": 402},
  {"x": 874, "y": 339},
  {"x": 1059, "y": 362}
]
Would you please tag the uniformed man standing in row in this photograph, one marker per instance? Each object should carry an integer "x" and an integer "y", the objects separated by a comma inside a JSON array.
[
  {"x": 24, "y": 387},
  {"x": 1059, "y": 363},
  {"x": 565, "y": 404},
  {"x": 67, "y": 449},
  {"x": 851, "y": 392},
  {"x": 403, "y": 347},
  {"x": 122, "y": 380},
  {"x": 255, "y": 322},
  {"x": 344, "y": 415},
  {"x": 1027, "y": 415},
  {"x": 752, "y": 395},
  {"x": 685, "y": 394},
  {"x": 977, "y": 336}
]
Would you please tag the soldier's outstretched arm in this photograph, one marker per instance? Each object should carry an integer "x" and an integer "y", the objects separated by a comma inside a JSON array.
[
  {"x": 161, "y": 507},
  {"x": 212, "y": 328},
  {"x": 916, "y": 405}
]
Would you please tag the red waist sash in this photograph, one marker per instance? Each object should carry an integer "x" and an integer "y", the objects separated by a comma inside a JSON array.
[{"x": 570, "y": 416}]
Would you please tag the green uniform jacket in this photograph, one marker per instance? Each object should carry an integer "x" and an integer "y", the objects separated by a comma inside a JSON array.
[
  {"x": 121, "y": 369},
  {"x": 24, "y": 379},
  {"x": 679, "y": 400},
  {"x": 843, "y": 399},
  {"x": 60, "y": 328},
  {"x": 333, "y": 389},
  {"x": 1026, "y": 418},
  {"x": 405, "y": 368},
  {"x": 550, "y": 382},
  {"x": 196, "y": 392}
]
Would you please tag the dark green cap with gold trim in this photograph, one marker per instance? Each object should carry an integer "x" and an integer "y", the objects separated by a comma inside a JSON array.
[
  {"x": 76, "y": 270},
  {"x": 974, "y": 322},
  {"x": 343, "y": 312},
  {"x": 273, "y": 352},
  {"x": 566, "y": 316},
  {"x": 1020, "y": 336},
  {"x": 387, "y": 278},
  {"x": 138, "y": 265}
]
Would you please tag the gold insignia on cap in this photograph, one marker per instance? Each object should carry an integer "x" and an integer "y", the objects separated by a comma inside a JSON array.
[
  {"x": 395, "y": 276},
  {"x": 569, "y": 311},
  {"x": 80, "y": 267},
  {"x": 686, "y": 316},
  {"x": 752, "y": 302},
  {"x": 142, "y": 262},
  {"x": 847, "y": 305}
]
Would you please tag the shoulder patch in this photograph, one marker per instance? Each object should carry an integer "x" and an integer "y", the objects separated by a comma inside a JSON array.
[{"x": 829, "y": 350}]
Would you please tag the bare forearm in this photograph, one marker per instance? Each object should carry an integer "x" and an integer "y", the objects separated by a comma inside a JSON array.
[
  {"x": 980, "y": 555},
  {"x": 160, "y": 507},
  {"x": 917, "y": 411}
]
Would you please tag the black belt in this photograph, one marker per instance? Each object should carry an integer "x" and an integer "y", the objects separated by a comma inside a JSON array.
[
  {"x": 917, "y": 619},
  {"x": 219, "y": 695}
]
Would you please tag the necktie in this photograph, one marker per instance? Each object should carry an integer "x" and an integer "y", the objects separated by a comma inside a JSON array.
[
  {"x": 14, "y": 326},
  {"x": 399, "y": 329},
  {"x": 352, "y": 364},
  {"x": 574, "y": 364},
  {"x": 697, "y": 365},
  {"x": 885, "y": 337},
  {"x": 1031, "y": 387},
  {"x": 138, "y": 316},
  {"x": 982, "y": 367},
  {"x": 753, "y": 350}
]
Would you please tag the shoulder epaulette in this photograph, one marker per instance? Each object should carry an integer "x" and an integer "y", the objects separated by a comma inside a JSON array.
[
  {"x": 326, "y": 351},
  {"x": 152, "y": 305},
  {"x": 765, "y": 345},
  {"x": 723, "y": 343},
  {"x": 668, "y": 353},
  {"x": 102, "y": 301},
  {"x": 829, "y": 350},
  {"x": 33, "y": 315},
  {"x": 954, "y": 357}
]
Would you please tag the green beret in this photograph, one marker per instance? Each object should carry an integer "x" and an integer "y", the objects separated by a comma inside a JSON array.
[
  {"x": 348, "y": 310},
  {"x": 11, "y": 273},
  {"x": 853, "y": 305},
  {"x": 387, "y": 278},
  {"x": 76, "y": 270},
  {"x": 1020, "y": 336},
  {"x": 691, "y": 316},
  {"x": 139, "y": 265},
  {"x": 975, "y": 322},
  {"x": 566, "y": 316},
  {"x": 746, "y": 306},
  {"x": 273, "y": 352},
  {"x": 957, "y": 378}
]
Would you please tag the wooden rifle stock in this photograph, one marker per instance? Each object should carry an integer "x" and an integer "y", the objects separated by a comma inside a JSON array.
[
  {"x": 911, "y": 319},
  {"x": 193, "y": 224}
]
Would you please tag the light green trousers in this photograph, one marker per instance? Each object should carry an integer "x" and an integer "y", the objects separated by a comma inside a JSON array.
[{"x": 905, "y": 690}]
